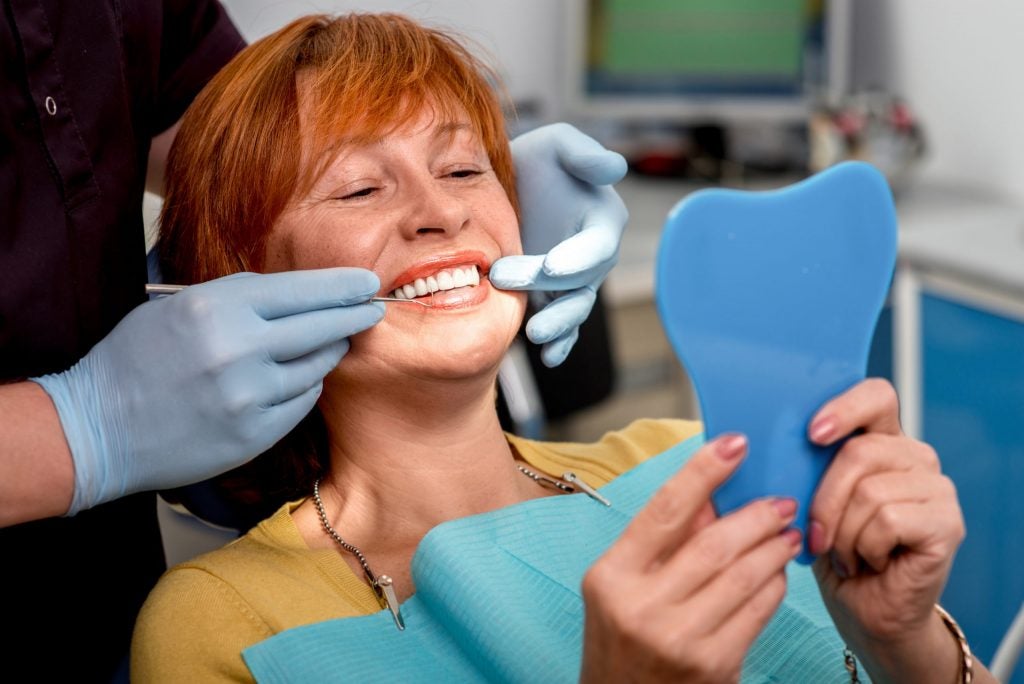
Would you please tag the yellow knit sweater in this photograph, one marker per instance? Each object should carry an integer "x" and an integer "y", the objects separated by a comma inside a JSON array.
[{"x": 205, "y": 612}]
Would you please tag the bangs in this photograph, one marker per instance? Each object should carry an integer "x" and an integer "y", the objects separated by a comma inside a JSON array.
[
  {"x": 370, "y": 75},
  {"x": 270, "y": 122}
]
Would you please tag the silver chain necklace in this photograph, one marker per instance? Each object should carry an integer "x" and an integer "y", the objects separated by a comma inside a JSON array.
[{"x": 383, "y": 585}]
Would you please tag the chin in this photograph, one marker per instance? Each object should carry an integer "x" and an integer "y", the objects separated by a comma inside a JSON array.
[
  {"x": 447, "y": 349},
  {"x": 454, "y": 354}
]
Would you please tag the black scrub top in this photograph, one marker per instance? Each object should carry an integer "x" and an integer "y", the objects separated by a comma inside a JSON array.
[{"x": 84, "y": 87}]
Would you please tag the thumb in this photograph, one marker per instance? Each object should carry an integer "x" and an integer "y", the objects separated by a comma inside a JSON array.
[
  {"x": 597, "y": 244},
  {"x": 587, "y": 159}
]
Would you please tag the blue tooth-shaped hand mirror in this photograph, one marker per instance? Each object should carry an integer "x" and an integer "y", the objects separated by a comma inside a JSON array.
[{"x": 770, "y": 300}]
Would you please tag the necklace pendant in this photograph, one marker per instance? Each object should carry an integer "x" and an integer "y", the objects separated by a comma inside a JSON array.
[
  {"x": 386, "y": 591},
  {"x": 575, "y": 481}
]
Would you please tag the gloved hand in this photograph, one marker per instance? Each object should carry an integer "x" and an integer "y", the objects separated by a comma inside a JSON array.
[
  {"x": 572, "y": 223},
  {"x": 188, "y": 386}
]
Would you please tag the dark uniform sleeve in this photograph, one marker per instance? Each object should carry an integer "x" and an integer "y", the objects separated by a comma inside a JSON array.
[
  {"x": 198, "y": 39},
  {"x": 84, "y": 86}
]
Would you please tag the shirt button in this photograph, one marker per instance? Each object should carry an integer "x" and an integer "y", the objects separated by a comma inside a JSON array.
[{"x": 51, "y": 106}]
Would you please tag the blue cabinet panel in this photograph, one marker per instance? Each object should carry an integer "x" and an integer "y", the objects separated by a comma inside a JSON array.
[
  {"x": 880, "y": 355},
  {"x": 973, "y": 371}
]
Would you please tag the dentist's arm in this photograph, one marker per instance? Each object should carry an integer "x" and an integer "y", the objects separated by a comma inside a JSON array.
[
  {"x": 37, "y": 477},
  {"x": 572, "y": 223},
  {"x": 183, "y": 388}
]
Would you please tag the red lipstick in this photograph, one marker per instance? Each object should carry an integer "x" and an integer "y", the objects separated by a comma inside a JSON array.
[{"x": 432, "y": 265}]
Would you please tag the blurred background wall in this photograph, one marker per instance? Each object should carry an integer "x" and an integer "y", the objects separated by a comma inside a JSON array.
[{"x": 958, "y": 64}]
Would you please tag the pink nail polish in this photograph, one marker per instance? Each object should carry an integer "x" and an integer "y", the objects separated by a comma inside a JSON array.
[
  {"x": 839, "y": 567},
  {"x": 816, "y": 538},
  {"x": 731, "y": 448},
  {"x": 821, "y": 431},
  {"x": 793, "y": 536},
  {"x": 785, "y": 507}
]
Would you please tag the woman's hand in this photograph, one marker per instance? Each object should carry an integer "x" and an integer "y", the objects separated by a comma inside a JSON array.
[
  {"x": 888, "y": 524},
  {"x": 682, "y": 594}
]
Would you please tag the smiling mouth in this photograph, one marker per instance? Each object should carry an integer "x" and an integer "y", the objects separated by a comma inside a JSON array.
[{"x": 444, "y": 280}]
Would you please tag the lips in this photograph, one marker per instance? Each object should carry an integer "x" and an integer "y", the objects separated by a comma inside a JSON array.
[
  {"x": 443, "y": 281},
  {"x": 442, "y": 273}
]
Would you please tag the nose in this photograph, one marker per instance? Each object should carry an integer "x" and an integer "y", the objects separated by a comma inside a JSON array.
[{"x": 433, "y": 210}]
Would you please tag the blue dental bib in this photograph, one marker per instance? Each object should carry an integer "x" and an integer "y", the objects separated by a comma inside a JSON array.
[
  {"x": 770, "y": 300},
  {"x": 498, "y": 600}
]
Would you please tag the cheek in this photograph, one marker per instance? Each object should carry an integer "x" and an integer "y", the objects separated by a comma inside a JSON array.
[
  {"x": 314, "y": 247},
  {"x": 514, "y": 242},
  {"x": 279, "y": 255},
  {"x": 505, "y": 229}
]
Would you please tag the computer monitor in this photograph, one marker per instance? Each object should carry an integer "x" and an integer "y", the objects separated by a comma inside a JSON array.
[{"x": 705, "y": 61}]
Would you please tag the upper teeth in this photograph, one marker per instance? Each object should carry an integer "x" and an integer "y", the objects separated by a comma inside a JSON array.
[{"x": 447, "y": 279}]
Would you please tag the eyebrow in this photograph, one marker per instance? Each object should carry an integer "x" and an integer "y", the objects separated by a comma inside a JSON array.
[
  {"x": 449, "y": 129},
  {"x": 453, "y": 127}
]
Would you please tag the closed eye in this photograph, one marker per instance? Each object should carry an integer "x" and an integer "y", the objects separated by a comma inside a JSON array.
[
  {"x": 464, "y": 173},
  {"x": 362, "y": 192}
]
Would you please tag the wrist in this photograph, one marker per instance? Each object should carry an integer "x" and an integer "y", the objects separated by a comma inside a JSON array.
[
  {"x": 932, "y": 653},
  {"x": 36, "y": 472},
  {"x": 79, "y": 409}
]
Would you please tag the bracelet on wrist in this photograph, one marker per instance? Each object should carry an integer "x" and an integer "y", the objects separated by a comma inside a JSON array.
[
  {"x": 966, "y": 670},
  {"x": 966, "y": 657}
]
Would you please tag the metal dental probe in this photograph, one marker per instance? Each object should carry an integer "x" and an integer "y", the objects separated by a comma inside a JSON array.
[{"x": 162, "y": 289}]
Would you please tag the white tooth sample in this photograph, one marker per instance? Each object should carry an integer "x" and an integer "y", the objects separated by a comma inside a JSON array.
[
  {"x": 398, "y": 294},
  {"x": 444, "y": 280},
  {"x": 458, "y": 277},
  {"x": 409, "y": 291},
  {"x": 421, "y": 287},
  {"x": 474, "y": 276},
  {"x": 432, "y": 284}
]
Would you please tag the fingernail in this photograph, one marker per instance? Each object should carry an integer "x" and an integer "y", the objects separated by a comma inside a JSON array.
[
  {"x": 731, "y": 448},
  {"x": 793, "y": 536},
  {"x": 816, "y": 538},
  {"x": 785, "y": 507},
  {"x": 838, "y": 566},
  {"x": 822, "y": 429}
]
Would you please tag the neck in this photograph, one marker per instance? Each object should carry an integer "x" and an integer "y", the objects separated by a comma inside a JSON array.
[{"x": 402, "y": 465}]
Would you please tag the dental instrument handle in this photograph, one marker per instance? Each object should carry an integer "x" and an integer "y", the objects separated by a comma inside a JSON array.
[
  {"x": 161, "y": 289},
  {"x": 403, "y": 301}
]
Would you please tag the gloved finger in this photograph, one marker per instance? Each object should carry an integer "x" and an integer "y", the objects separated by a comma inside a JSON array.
[
  {"x": 295, "y": 336},
  {"x": 281, "y": 418},
  {"x": 555, "y": 352},
  {"x": 527, "y": 273},
  {"x": 595, "y": 247},
  {"x": 297, "y": 376},
  {"x": 516, "y": 272},
  {"x": 587, "y": 159},
  {"x": 561, "y": 316},
  {"x": 273, "y": 295}
]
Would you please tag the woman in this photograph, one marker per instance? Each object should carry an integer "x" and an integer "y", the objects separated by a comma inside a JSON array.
[{"x": 372, "y": 141}]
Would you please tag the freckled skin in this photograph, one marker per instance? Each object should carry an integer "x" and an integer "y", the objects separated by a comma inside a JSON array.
[{"x": 419, "y": 194}]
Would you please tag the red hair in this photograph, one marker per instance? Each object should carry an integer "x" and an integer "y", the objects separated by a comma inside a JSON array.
[{"x": 237, "y": 160}]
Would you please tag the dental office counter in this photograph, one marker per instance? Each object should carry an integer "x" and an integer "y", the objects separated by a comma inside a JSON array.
[{"x": 956, "y": 355}]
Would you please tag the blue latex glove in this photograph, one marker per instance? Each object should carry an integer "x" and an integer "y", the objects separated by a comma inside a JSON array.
[
  {"x": 191, "y": 385},
  {"x": 572, "y": 223}
]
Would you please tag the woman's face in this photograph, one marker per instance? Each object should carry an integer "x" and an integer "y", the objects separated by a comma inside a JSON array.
[{"x": 421, "y": 208}]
